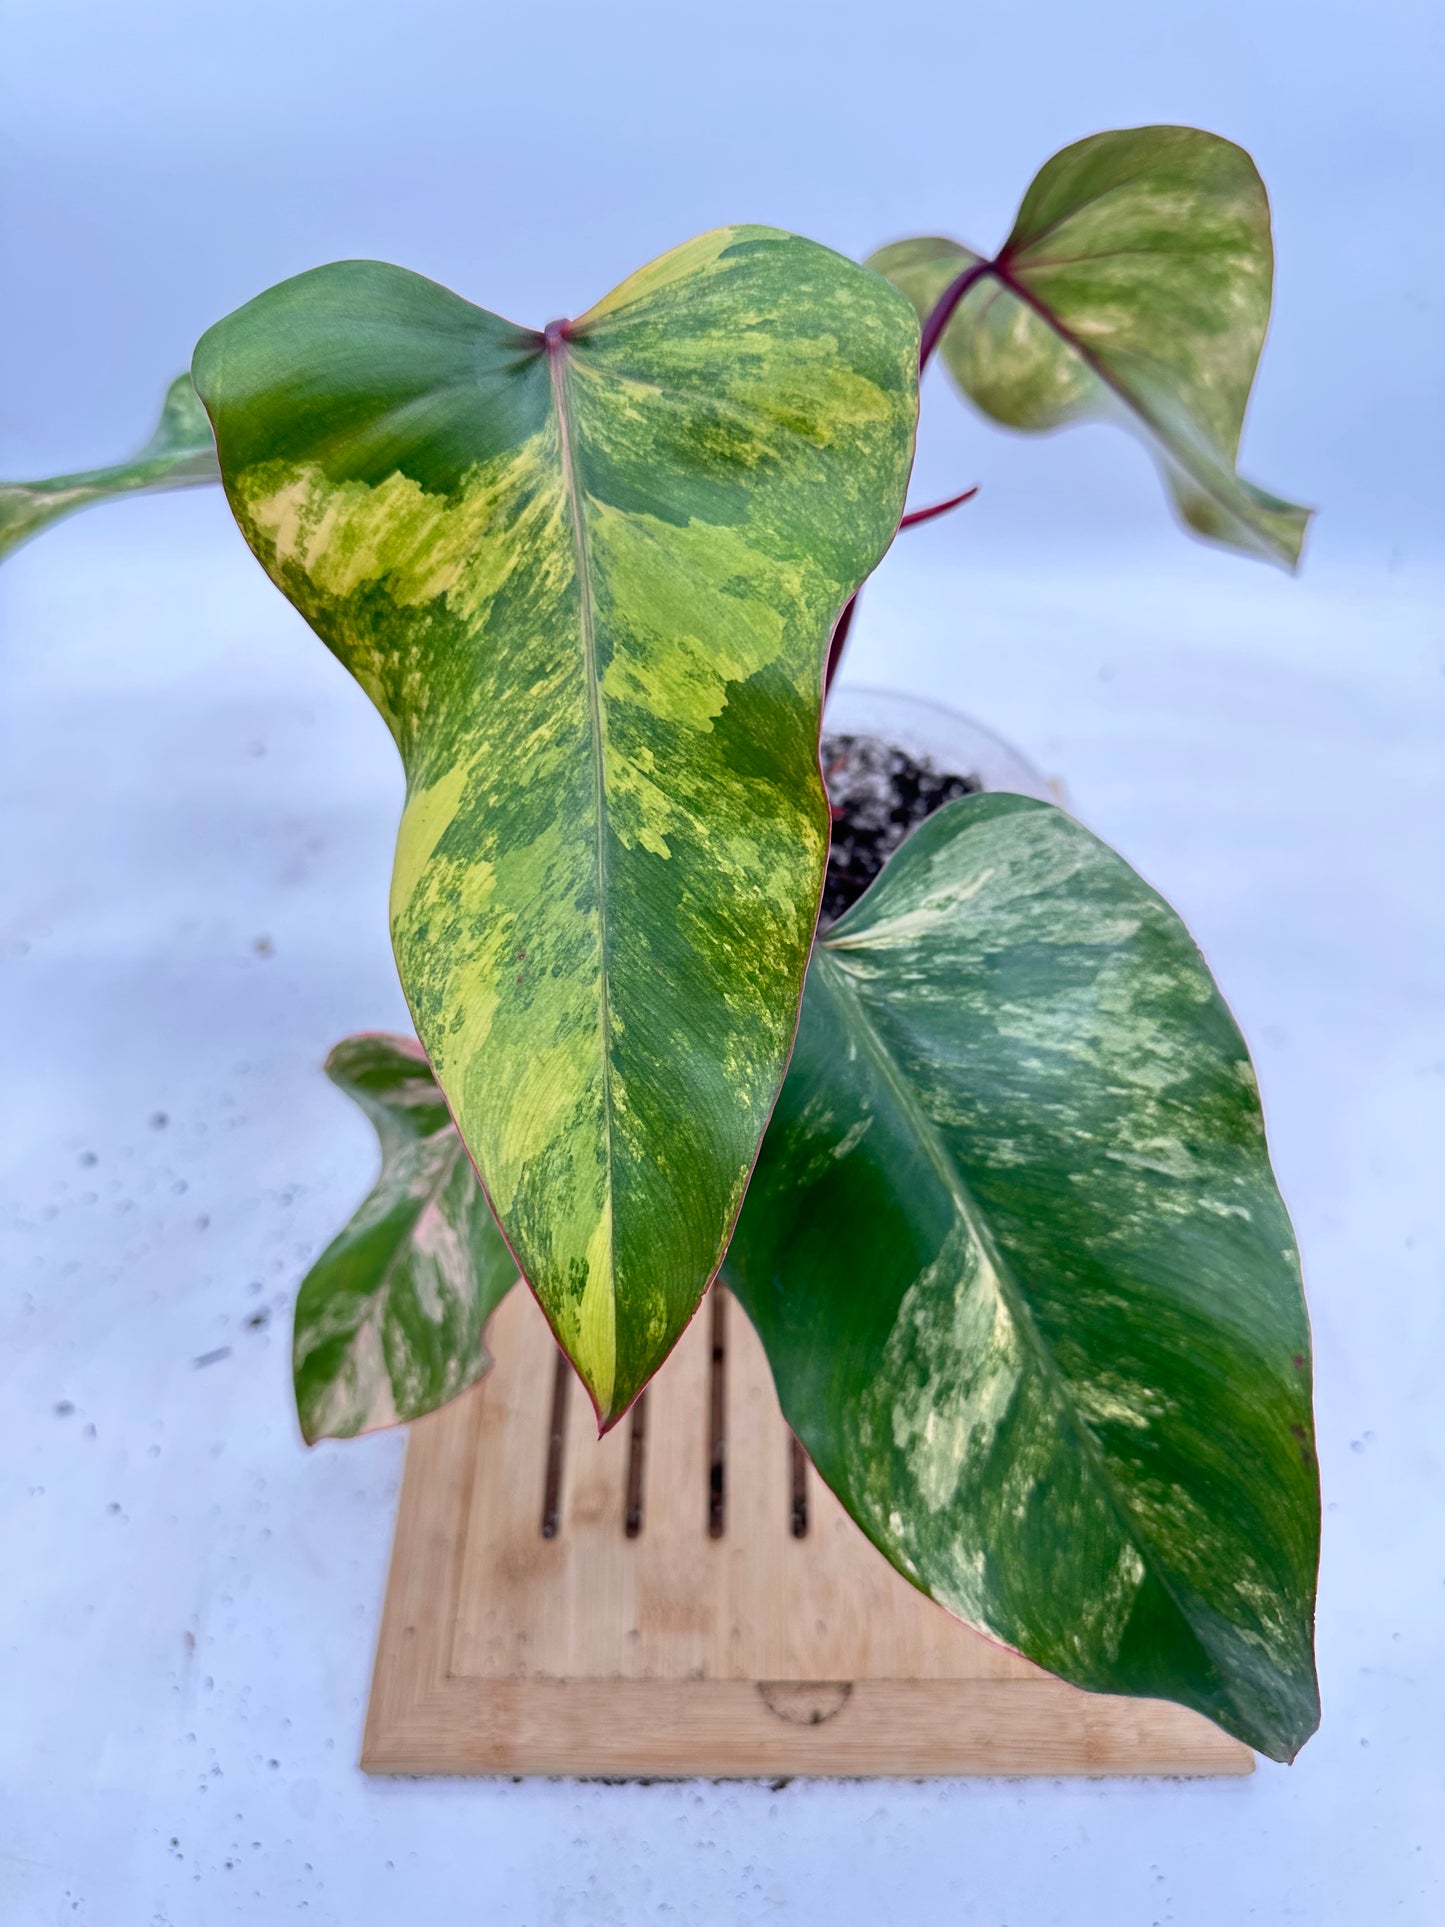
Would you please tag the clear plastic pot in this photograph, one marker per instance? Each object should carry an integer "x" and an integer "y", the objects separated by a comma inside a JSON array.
[{"x": 937, "y": 738}]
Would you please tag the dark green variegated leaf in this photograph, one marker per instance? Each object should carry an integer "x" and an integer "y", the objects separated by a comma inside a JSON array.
[
  {"x": 180, "y": 454},
  {"x": 1135, "y": 287},
  {"x": 1030, "y": 1296},
  {"x": 389, "y": 1319},
  {"x": 588, "y": 577}
]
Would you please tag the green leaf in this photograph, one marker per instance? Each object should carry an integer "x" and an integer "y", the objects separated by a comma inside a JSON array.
[
  {"x": 389, "y": 1319},
  {"x": 1029, "y": 1292},
  {"x": 180, "y": 454},
  {"x": 588, "y": 577},
  {"x": 1135, "y": 287}
]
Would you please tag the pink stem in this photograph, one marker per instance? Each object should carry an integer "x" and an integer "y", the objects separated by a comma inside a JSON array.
[
  {"x": 915, "y": 516},
  {"x": 943, "y": 309},
  {"x": 835, "y": 647}
]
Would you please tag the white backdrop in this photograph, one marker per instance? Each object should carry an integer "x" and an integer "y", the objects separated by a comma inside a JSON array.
[{"x": 198, "y": 811}]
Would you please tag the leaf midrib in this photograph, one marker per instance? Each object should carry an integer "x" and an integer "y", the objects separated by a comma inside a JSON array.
[
  {"x": 1006, "y": 279},
  {"x": 1006, "y": 269},
  {"x": 940, "y": 1157},
  {"x": 557, "y": 352}
]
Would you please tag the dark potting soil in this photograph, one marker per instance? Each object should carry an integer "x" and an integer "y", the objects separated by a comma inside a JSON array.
[{"x": 878, "y": 794}]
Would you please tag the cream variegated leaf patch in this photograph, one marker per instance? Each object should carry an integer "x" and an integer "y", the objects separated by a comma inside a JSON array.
[
  {"x": 180, "y": 454},
  {"x": 1030, "y": 1296},
  {"x": 389, "y": 1319},
  {"x": 1135, "y": 287},
  {"x": 588, "y": 577}
]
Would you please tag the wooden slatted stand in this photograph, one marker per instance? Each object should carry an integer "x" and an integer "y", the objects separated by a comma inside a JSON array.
[{"x": 645, "y": 1605}]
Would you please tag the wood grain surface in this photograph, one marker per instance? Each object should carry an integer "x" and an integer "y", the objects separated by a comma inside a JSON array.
[{"x": 675, "y": 1652}]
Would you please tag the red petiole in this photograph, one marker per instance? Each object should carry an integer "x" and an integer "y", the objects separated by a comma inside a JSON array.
[{"x": 932, "y": 333}]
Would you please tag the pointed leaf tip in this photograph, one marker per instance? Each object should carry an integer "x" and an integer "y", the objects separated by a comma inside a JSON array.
[{"x": 180, "y": 454}]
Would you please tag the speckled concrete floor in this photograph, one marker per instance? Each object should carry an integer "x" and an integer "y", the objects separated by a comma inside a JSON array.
[{"x": 198, "y": 812}]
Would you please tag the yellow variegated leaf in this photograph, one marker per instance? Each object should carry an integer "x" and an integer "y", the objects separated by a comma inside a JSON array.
[
  {"x": 588, "y": 576},
  {"x": 1135, "y": 287},
  {"x": 1025, "y": 1280},
  {"x": 389, "y": 1319}
]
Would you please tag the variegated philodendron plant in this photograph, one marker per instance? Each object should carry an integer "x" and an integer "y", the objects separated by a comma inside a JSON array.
[{"x": 984, "y": 1162}]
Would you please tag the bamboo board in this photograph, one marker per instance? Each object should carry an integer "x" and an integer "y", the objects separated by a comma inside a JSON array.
[{"x": 684, "y": 1649}]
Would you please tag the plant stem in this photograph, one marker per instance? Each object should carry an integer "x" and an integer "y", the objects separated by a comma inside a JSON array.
[
  {"x": 840, "y": 636},
  {"x": 942, "y": 312},
  {"x": 939, "y": 317},
  {"x": 915, "y": 516}
]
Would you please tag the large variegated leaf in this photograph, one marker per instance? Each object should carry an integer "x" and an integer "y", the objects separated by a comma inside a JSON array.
[
  {"x": 1030, "y": 1296},
  {"x": 180, "y": 454},
  {"x": 1134, "y": 287},
  {"x": 588, "y": 577},
  {"x": 389, "y": 1319}
]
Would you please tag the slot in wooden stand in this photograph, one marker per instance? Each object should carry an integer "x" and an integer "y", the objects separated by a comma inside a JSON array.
[{"x": 637, "y": 1639}]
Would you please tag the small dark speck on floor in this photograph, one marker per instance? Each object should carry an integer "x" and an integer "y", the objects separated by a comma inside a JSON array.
[
  {"x": 259, "y": 1320},
  {"x": 212, "y": 1358}
]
